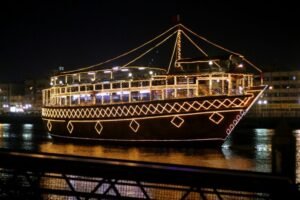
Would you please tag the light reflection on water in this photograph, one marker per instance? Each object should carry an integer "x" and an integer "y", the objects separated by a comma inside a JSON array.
[
  {"x": 27, "y": 131},
  {"x": 245, "y": 149}
]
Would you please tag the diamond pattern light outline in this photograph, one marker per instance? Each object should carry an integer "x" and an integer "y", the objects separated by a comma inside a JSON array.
[
  {"x": 211, "y": 117},
  {"x": 70, "y": 127},
  {"x": 136, "y": 123},
  {"x": 144, "y": 109},
  {"x": 71, "y": 122},
  {"x": 177, "y": 117},
  {"x": 235, "y": 122},
  {"x": 49, "y": 125},
  {"x": 98, "y": 130}
]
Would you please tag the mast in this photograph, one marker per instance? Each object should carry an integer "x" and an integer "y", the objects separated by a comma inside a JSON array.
[{"x": 178, "y": 47}]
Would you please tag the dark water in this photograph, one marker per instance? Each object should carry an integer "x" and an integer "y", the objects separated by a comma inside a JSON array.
[{"x": 245, "y": 149}]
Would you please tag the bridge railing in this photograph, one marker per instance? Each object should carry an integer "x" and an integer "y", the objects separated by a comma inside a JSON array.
[{"x": 27, "y": 175}]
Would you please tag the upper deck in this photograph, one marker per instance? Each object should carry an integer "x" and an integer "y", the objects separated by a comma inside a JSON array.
[{"x": 139, "y": 84}]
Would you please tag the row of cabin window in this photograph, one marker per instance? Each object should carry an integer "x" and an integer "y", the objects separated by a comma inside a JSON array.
[
  {"x": 114, "y": 86},
  {"x": 135, "y": 96},
  {"x": 168, "y": 81}
]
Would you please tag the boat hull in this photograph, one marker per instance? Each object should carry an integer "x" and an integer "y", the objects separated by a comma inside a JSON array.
[
  {"x": 196, "y": 127},
  {"x": 193, "y": 119}
]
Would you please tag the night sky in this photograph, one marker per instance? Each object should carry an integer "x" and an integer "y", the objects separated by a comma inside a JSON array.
[{"x": 39, "y": 36}]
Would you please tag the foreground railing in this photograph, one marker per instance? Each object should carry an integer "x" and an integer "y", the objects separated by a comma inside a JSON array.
[{"x": 25, "y": 175}]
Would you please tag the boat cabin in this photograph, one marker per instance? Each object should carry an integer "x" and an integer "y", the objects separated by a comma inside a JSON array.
[{"x": 137, "y": 84}]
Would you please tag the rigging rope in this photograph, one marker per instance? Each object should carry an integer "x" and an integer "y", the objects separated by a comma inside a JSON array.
[
  {"x": 174, "y": 49},
  {"x": 122, "y": 55},
  {"x": 199, "y": 48},
  {"x": 173, "y": 53},
  {"x": 158, "y": 44},
  {"x": 220, "y": 47}
]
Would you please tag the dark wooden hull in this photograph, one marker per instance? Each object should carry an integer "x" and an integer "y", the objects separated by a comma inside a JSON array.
[
  {"x": 194, "y": 127},
  {"x": 180, "y": 120}
]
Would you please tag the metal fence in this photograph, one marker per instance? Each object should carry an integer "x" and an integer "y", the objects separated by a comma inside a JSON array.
[{"x": 25, "y": 175}]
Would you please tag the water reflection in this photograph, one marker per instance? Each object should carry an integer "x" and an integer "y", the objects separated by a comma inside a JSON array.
[
  {"x": 4, "y": 130},
  {"x": 245, "y": 149},
  {"x": 189, "y": 156},
  {"x": 27, "y": 131}
]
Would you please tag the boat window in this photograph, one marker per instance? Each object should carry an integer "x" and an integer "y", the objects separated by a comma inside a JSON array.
[
  {"x": 60, "y": 80},
  {"x": 98, "y": 99},
  {"x": 134, "y": 96},
  {"x": 89, "y": 87},
  {"x": 125, "y": 85},
  {"x": 216, "y": 87},
  {"x": 85, "y": 99},
  {"x": 82, "y": 99},
  {"x": 63, "y": 90},
  {"x": 170, "y": 81},
  {"x": 116, "y": 85},
  {"x": 135, "y": 84},
  {"x": 125, "y": 97},
  {"x": 84, "y": 78},
  {"x": 145, "y": 83},
  {"x": 156, "y": 94},
  {"x": 63, "y": 101},
  {"x": 116, "y": 97},
  {"x": 192, "y": 80},
  {"x": 98, "y": 76},
  {"x": 68, "y": 89},
  {"x": 69, "y": 79},
  {"x": 181, "y": 93},
  {"x": 82, "y": 88},
  {"x": 203, "y": 87},
  {"x": 75, "y": 78},
  {"x": 74, "y": 89},
  {"x": 191, "y": 92},
  {"x": 75, "y": 100},
  {"x": 98, "y": 87},
  {"x": 106, "y": 98},
  {"x": 181, "y": 80},
  {"x": 158, "y": 82},
  {"x": 106, "y": 86},
  {"x": 145, "y": 95},
  {"x": 170, "y": 93}
]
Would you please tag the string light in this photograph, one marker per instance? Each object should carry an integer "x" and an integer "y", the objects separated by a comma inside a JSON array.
[
  {"x": 146, "y": 52},
  {"x": 122, "y": 55},
  {"x": 134, "y": 112},
  {"x": 146, "y": 109}
]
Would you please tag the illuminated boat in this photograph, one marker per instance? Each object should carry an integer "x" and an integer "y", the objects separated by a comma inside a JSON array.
[{"x": 198, "y": 98}]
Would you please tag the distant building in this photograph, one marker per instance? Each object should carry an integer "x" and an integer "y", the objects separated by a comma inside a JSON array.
[
  {"x": 33, "y": 94},
  {"x": 22, "y": 97},
  {"x": 282, "y": 97},
  {"x": 11, "y": 97}
]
